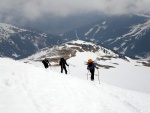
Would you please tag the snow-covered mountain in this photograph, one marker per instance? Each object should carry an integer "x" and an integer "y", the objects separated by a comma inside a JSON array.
[
  {"x": 19, "y": 43},
  {"x": 69, "y": 49},
  {"x": 128, "y": 35}
]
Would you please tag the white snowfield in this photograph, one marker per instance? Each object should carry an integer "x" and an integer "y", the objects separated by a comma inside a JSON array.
[{"x": 27, "y": 88}]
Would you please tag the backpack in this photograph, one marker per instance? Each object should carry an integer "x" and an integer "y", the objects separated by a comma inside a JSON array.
[{"x": 45, "y": 63}]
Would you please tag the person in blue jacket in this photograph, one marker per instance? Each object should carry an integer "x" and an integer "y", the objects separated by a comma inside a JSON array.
[{"x": 91, "y": 67}]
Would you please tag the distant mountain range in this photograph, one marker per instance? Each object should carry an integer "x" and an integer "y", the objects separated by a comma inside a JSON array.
[
  {"x": 19, "y": 43},
  {"x": 128, "y": 35}
]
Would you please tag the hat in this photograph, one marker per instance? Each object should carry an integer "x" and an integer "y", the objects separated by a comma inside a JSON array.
[{"x": 90, "y": 60}]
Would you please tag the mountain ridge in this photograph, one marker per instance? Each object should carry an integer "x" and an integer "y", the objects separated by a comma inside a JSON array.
[
  {"x": 69, "y": 49},
  {"x": 19, "y": 43},
  {"x": 128, "y": 34}
]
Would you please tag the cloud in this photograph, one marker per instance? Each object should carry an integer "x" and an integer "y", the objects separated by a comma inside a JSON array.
[{"x": 33, "y": 9}]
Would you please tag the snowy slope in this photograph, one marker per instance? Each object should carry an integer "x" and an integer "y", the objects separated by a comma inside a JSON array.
[
  {"x": 130, "y": 75},
  {"x": 26, "y": 88},
  {"x": 122, "y": 72}
]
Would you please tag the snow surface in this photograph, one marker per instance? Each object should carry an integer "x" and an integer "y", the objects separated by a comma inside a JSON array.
[
  {"x": 129, "y": 75},
  {"x": 28, "y": 88}
]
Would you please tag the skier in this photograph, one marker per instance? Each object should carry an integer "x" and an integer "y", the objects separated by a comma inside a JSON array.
[
  {"x": 91, "y": 67},
  {"x": 63, "y": 64},
  {"x": 46, "y": 63}
]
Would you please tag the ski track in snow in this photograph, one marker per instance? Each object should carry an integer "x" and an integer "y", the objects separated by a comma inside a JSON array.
[{"x": 70, "y": 93}]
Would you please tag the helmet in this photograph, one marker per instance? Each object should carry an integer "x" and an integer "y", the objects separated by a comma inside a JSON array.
[{"x": 90, "y": 60}]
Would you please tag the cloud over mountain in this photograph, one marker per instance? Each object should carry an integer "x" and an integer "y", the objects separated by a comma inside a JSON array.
[{"x": 33, "y": 9}]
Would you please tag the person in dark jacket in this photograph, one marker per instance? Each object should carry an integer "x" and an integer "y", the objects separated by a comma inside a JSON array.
[
  {"x": 46, "y": 63},
  {"x": 91, "y": 67},
  {"x": 63, "y": 64}
]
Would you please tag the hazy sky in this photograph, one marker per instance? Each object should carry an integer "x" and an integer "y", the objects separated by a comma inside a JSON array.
[{"x": 33, "y": 9}]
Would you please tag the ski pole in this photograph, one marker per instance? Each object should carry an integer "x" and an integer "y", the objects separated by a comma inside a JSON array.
[
  {"x": 87, "y": 74},
  {"x": 50, "y": 66},
  {"x": 68, "y": 69},
  {"x": 72, "y": 65},
  {"x": 98, "y": 76}
]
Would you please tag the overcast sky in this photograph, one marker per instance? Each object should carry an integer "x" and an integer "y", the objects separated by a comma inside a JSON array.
[{"x": 33, "y": 9}]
